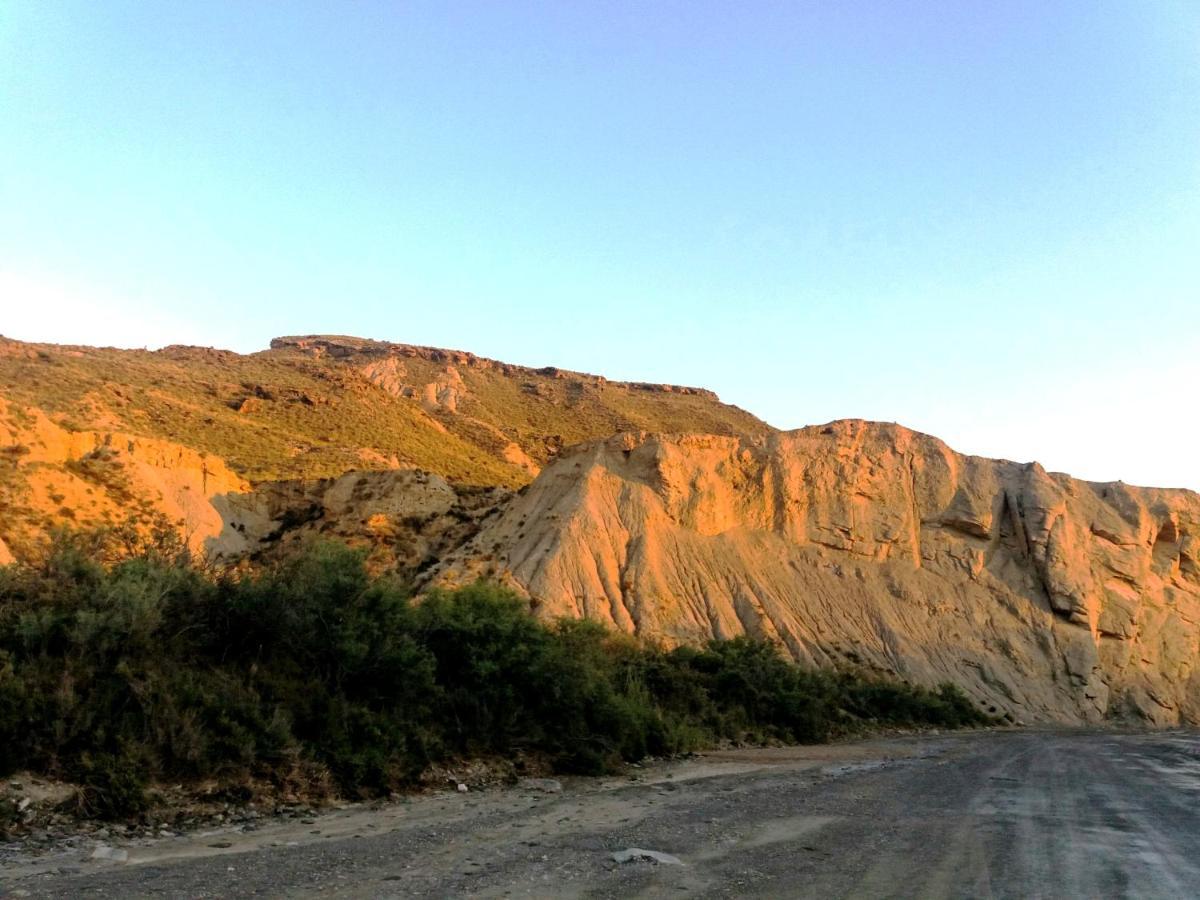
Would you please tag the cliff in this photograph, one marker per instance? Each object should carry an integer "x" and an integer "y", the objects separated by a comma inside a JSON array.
[
  {"x": 52, "y": 476},
  {"x": 1046, "y": 597}
]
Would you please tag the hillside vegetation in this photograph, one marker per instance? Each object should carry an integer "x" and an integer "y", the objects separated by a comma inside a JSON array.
[
  {"x": 116, "y": 675},
  {"x": 320, "y": 406}
]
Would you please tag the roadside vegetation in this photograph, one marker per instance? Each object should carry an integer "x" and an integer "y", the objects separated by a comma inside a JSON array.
[{"x": 118, "y": 672}]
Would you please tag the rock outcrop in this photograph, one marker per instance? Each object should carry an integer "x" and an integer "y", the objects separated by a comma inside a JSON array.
[
  {"x": 1045, "y": 597},
  {"x": 383, "y": 365},
  {"x": 407, "y": 519}
]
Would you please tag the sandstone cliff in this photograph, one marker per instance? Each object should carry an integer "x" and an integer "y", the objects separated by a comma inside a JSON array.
[
  {"x": 51, "y": 476},
  {"x": 1044, "y": 596}
]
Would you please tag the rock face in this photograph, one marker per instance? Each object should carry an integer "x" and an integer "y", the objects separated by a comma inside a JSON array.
[
  {"x": 1045, "y": 597},
  {"x": 50, "y": 476},
  {"x": 407, "y": 518}
]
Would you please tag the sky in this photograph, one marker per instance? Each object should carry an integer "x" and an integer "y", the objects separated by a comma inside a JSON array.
[{"x": 980, "y": 220}]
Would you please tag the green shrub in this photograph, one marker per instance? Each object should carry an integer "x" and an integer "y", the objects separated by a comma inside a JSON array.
[
  {"x": 114, "y": 784},
  {"x": 118, "y": 674}
]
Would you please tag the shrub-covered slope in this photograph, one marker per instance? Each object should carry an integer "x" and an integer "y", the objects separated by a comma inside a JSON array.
[
  {"x": 320, "y": 406},
  {"x": 97, "y": 437}
]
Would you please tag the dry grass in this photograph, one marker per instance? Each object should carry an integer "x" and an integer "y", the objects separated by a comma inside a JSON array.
[{"x": 287, "y": 413}]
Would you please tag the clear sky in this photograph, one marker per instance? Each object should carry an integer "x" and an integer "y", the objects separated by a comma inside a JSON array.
[{"x": 981, "y": 220}]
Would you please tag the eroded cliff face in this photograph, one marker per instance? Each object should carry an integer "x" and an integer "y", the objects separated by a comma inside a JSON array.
[
  {"x": 1045, "y": 597},
  {"x": 51, "y": 476}
]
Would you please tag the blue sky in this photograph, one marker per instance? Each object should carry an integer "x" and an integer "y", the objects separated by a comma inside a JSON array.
[{"x": 981, "y": 220}]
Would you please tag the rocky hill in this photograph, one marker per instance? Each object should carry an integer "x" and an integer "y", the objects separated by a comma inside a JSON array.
[
  {"x": 655, "y": 509},
  {"x": 1044, "y": 596},
  {"x": 319, "y": 406},
  {"x": 294, "y": 418}
]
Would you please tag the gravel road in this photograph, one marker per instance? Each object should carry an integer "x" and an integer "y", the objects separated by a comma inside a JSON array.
[{"x": 987, "y": 814}]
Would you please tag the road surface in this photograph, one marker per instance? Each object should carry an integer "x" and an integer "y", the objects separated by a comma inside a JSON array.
[{"x": 1019, "y": 814}]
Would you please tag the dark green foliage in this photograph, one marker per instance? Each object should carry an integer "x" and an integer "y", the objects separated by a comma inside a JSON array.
[{"x": 120, "y": 674}]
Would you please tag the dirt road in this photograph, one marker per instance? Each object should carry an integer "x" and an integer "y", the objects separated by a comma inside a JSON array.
[{"x": 992, "y": 814}]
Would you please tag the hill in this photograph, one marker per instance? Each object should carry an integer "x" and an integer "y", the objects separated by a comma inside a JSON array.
[
  {"x": 308, "y": 408},
  {"x": 655, "y": 509},
  {"x": 319, "y": 406}
]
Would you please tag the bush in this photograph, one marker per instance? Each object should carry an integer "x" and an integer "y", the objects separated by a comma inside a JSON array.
[{"x": 117, "y": 674}]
